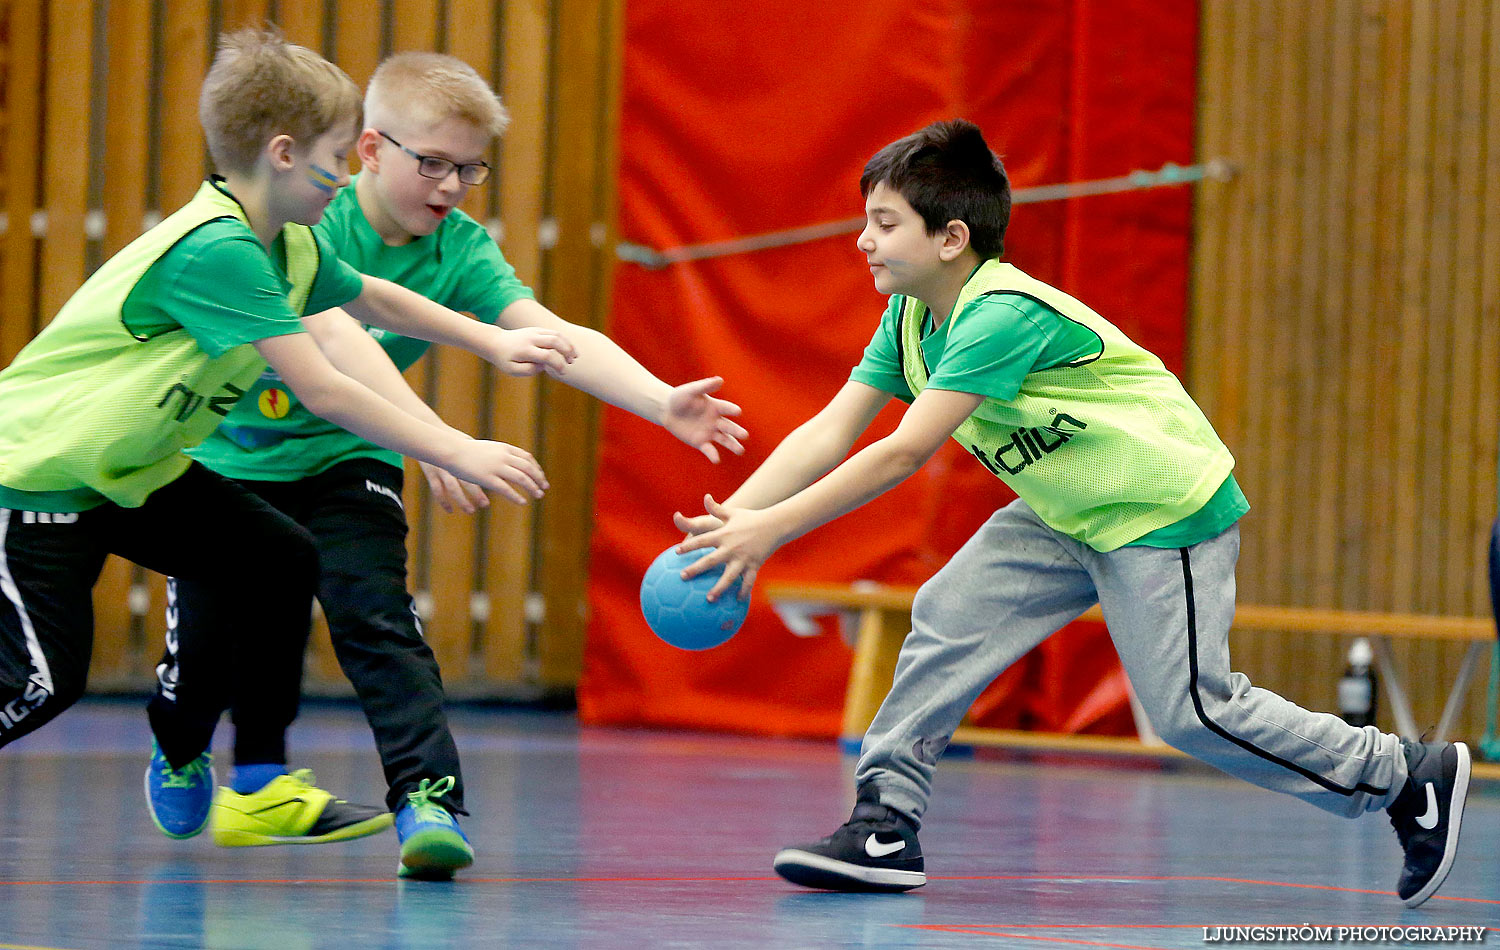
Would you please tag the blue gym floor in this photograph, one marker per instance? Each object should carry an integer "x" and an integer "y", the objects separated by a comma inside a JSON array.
[{"x": 594, "y": 838}]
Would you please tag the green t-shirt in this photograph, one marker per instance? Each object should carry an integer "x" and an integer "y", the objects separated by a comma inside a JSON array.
[
  {"x": 270, "y": 436},
  {"x": 220, "y": 286},
  {"x": 180, "y": 303},
  {"x": 1002, "y": 339}
]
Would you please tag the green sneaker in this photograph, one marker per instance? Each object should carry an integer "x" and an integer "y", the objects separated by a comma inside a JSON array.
[
  {"x": 432, "y": 844},
  {"x": 290, "y": 810}
]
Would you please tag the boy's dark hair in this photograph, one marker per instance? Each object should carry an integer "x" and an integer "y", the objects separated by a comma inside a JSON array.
[{"x": 947, "y": 172}]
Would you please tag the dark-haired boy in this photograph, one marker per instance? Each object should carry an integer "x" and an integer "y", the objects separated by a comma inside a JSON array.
[{"x": 1126, "y": 498}]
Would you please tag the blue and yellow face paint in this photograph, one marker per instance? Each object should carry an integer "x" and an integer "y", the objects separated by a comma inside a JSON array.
[{"x": 323, "y": 180}]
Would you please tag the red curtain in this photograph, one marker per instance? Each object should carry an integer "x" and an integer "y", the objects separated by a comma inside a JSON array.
[{"x": 738, "y": 120}]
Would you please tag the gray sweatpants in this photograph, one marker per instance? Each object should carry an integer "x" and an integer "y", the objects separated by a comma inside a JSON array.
[{"x": 1168, "y": 610}]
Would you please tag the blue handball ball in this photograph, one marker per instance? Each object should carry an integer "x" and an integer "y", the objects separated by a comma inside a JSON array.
[{"x": 679, "y": 612}]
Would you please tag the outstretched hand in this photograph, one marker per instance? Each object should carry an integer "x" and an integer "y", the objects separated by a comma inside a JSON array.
[
  {"x": 530, "y": 351},
  {"x": 704, "y": 421},
  {"x": 507, "y": 471},
  {"x": 451, "y": 493},
  {"x": 742, "y": 541}
]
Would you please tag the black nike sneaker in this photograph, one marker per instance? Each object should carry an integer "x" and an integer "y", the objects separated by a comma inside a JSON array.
[
  {"x": 1426, "y": 815},
  {"x": 875, "y": 850}
]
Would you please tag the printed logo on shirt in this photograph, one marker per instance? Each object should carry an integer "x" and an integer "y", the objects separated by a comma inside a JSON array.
[
  {"x": 49, "y": 517},
  {"x": 275, "y": 403},
  {"x": 188, "y": 402},
  {"x": 1031, "y": 445},
  {"x": 379, "y": 489}
]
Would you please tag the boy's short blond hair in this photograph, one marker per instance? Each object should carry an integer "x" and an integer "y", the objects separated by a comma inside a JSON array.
[
  {"x": 260, "y": 86},
  {"x": 422, "y": 89}
]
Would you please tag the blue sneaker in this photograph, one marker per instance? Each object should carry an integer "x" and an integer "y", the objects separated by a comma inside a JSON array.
[
  {"x": 179, "y": 799},
  {"x": 432, "y": 844}
]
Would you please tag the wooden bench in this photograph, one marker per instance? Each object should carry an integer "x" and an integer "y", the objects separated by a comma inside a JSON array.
[{"x": 879, "y": 618}]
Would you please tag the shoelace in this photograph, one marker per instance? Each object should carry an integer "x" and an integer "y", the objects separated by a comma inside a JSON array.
[
  {"x": 194, "y": 773},
  {"x": 422, "y": 805}
]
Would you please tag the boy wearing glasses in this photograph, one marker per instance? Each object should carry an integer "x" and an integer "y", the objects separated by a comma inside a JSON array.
[{"x": 429, "y": 121}]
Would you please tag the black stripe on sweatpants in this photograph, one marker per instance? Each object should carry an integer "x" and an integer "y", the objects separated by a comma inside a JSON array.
[{"x": 1192, "y": 629}]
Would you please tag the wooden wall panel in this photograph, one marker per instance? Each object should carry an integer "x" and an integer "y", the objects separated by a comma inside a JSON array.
[
  {"x": 65, "y": 139},
  {"x": 1344, "y": 318},
  {"x": 357, "y": 31},
  {"x": 185, "y": 58},
  {"x": 301, "y": 21},
  {"x": 581, "y": 154},
  {"x": 418, "y": 25},
  {"x": 525, "y": 29},
  {"x": 23, "y": 98},
  {"x": 237, "y": 14}
]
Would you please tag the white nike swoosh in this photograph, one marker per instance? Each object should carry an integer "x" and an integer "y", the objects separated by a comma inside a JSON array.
[
  {"x": 875, "y": 849},
  {"x": 1429, "y": 818}
]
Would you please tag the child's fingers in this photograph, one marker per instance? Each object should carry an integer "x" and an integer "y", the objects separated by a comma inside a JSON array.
[
  {"x": 531, "y": 468},
  {"x": 696, "y": 525},
  {"x": 552, "y": 340},
  {"x": 435, "y": 485},
  {"x": 500, "y": 487},
  {"x": 702, "y": 387},
  {"x": 714, "y": 508},
  {"x": 732, "y": 570},
  {"x": 747, "y": 582},
  {"x": 730, "y": 442},
  {"x": 454, "y": 495},
  {"x": 726, "y": 408},
  {"x": 705, "y": 563},
  {"x": 693, "y": 543},
  {"x": 475, "y": 494}
]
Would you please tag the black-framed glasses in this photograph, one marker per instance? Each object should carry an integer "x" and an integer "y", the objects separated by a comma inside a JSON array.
[{"x": 430, "y": 166}]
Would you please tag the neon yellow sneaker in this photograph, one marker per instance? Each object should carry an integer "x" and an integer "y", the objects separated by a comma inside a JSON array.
[
  {"x": 432, "y": 844},
  {"x": 290, "y": 810}
]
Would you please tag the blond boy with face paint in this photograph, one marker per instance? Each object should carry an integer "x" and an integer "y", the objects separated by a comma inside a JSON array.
[{"x": 429, "y": 123}]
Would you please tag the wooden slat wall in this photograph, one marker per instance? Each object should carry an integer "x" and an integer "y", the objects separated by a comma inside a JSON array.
[
  {"x": 23, "y": 93},
  {"x": 1345, "y": 327},
  {"x": 587, "y": 97},
  {"x": 472, "y": 575}
]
